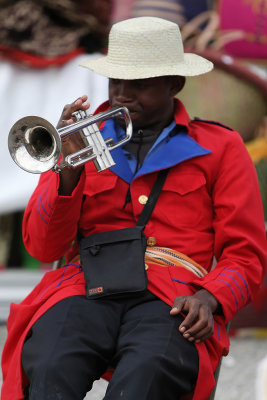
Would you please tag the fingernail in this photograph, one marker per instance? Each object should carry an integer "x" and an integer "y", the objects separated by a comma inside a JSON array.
[{"x": 183, "y": 329}]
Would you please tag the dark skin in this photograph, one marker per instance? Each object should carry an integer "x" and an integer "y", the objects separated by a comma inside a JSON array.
[{"x": 151, "y": 106}]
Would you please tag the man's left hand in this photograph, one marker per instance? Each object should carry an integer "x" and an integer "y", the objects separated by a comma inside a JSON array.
[{"x": 199, "y": 308}]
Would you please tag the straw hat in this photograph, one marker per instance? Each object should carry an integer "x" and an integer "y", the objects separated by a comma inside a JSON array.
[{"x": 146, "y": 47}]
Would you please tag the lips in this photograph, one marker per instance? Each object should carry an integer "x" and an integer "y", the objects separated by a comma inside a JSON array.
[
  {"x": 131, "y": 109},
  {"x": 133, "y": 114}
]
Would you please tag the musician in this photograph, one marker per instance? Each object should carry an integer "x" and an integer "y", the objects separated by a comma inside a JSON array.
[{"x": 206, "y": 244}]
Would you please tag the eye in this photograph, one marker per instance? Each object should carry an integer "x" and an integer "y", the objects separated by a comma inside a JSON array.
[
  {"x": 140, "y": 83},
  {"x": 143, "y": 84}
]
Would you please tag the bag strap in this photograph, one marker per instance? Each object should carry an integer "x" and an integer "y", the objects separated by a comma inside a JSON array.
[{"x": 152, "y": 199}]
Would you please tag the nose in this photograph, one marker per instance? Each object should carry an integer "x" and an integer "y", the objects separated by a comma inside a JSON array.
[{"x": 124, "y": 92}]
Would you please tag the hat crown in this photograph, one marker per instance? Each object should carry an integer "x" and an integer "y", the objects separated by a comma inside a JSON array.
[{"x": 146, "y": 41}]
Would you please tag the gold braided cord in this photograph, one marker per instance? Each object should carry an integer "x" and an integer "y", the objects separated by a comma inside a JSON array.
[{"x": 167, "y": 257}]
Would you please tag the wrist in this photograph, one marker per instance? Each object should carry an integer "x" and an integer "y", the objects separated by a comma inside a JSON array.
[
  {"x": 68, "y": 180},
  {"x": 209, "y": 299}
]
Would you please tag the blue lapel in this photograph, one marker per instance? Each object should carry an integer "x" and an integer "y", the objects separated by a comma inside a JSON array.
[{"x": 176, "y": 149}]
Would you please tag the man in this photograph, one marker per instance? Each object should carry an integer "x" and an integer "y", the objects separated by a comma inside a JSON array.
[{"x": 165, "y": 342}]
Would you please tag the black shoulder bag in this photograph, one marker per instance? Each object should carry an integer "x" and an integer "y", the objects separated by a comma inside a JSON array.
[{"x": 113, "y": 261}]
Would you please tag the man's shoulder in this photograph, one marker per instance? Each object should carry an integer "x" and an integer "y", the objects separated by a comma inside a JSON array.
[
  {"x": 211, "y": 123},
  {"x": 214, "y": 135}
]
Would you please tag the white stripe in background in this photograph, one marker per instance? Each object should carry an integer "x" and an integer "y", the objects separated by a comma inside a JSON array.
[{"x": 14, "y": 293}]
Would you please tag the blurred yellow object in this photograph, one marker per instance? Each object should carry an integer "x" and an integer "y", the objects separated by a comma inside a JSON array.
[
  {"x": 257, "y": 149},
  {"x": 255, "y": 333}
]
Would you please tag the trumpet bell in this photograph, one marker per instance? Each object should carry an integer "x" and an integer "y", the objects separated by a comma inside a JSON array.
[{"x": 34, "y": 144}]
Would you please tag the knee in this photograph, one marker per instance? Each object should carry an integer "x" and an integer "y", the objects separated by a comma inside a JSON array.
[
  {"x": 162, "y": 370},
  {"x": 151, "y": 364}
]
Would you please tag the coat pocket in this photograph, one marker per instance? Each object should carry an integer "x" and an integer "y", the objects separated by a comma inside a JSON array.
[{"x": 186, "y": 200}]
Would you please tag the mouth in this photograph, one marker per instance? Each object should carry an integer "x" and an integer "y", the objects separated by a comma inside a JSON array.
[
  {"x": 133, "y": 114},
  {"x": 132, "y": 111}
]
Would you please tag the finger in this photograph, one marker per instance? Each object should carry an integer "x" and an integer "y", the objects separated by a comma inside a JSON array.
[
  {"x": 206, "y": 332},
  {"x": 84, "y": 98},
  {"x": 65, "y": 122},
  {"x": 192, "y": 316},
  {"x": 79, "y": 104},
  {"x": 85, "y": 104},
  {"x": 202, "y": 320},
  {"x": 178, "y": 305},
  {"x": 200, "y": 331},
  {"x": 80, "y": 100},
  {"x": 202, "y": 335}
]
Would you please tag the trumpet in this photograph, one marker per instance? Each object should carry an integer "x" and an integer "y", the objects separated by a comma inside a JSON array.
[{"x": 35, "y": 144}]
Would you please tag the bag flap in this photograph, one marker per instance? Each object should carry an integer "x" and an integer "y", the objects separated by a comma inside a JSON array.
[{"x": 120, "y": 235}]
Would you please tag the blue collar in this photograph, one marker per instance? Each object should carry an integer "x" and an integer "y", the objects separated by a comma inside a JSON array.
[{"x": 171, "y": 148}]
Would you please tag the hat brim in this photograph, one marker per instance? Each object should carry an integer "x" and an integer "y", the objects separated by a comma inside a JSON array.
[{"x": 192, "y": 65}]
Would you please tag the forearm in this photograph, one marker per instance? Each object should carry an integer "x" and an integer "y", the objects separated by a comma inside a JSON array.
[{"x": 50, "y": 220}]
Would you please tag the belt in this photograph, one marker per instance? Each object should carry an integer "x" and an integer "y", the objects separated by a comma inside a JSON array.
[{"x": 166, "y": 257}]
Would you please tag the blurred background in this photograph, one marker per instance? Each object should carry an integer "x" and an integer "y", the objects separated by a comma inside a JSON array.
[{"x": 41, "y": 46}]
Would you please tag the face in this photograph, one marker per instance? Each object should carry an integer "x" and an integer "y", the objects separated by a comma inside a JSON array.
[{"x": 150, "y": 101}]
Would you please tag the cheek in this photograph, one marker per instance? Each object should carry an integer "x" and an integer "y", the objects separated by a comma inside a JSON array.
[
  {"x": 110, "y": 92},
  {"x": 154, "y": 107},
  {"x": 155, "y": 98}
]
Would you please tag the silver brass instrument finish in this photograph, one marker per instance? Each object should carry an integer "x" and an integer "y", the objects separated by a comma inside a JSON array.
[{"x": 35, "y": 144}]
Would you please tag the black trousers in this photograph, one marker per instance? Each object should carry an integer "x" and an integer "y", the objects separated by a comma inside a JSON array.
[{"x": 75, "y": 341}]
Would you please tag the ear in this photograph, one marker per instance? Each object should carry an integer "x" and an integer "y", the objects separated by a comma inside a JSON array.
[{"x": 177, "y": 84}]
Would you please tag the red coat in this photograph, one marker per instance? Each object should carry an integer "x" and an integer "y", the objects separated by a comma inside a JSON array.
[{"x": 210, "y": 206}]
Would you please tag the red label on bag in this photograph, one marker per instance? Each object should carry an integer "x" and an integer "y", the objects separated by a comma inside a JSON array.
[{"x": 95, "y": 290}]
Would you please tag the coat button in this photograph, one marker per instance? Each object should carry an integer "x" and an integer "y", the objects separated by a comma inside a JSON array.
[
  {"x": 151, "y": 241},
  {"x": 142, "y": 199},
  {"x": 146, "y": 267}
]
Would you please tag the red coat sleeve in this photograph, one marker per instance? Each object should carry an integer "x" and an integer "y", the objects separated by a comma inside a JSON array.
[
  {"x": 240, "y": 240},
  {"x": 45, "y": 235}
]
